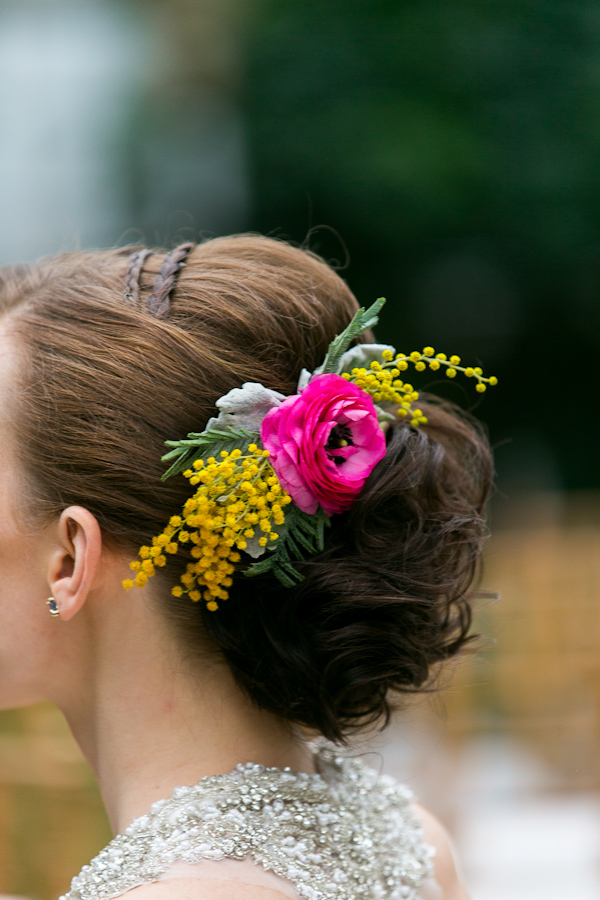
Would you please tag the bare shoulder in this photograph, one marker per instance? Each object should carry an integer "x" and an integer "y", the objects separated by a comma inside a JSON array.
[
  {"x": 202, "y": 889},
  {"x": 444, "y": 861}
]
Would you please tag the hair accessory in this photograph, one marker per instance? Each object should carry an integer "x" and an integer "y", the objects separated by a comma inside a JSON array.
[
  {"x": 269, "y": 471},
  {"x": 159, "y": 300},
  {"x": 51, "y": 604},
  {"x": 131, "y": 291}
]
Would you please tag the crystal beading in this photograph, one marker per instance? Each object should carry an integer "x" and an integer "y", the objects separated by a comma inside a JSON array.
[{"x": 342, "y": 834}]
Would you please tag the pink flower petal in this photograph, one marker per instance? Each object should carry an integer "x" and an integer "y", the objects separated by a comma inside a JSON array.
[{"x": 297, "y": 432}]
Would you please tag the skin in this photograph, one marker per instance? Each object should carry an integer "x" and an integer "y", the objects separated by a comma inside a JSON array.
[{"x": 112, "y": 665}]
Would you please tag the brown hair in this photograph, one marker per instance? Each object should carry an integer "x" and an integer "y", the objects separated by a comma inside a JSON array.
[{"x": 105, "y": 383}]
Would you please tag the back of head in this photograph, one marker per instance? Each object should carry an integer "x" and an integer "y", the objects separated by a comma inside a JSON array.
[{"x": 103, "y": 383}]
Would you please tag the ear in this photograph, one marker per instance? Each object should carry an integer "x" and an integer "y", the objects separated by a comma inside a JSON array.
[{"x": 74, "y": 562}]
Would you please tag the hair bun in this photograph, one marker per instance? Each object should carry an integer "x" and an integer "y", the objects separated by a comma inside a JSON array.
[{"x": 385, "y": 602}]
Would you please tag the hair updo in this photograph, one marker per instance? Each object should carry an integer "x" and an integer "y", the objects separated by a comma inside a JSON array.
[{"x": 104, "y": 383}]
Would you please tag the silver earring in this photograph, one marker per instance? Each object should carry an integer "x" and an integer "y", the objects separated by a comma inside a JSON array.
[{"x": 51, "y": 603}]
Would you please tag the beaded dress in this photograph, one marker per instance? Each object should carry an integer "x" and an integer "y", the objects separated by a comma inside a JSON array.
[{"x": 344, "y": 833}]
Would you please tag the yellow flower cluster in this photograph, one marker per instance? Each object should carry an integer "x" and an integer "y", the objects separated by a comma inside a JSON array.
[
  {"x": 382, "y": 379},
  {"x": 238, "y": 498},
  {"x": 385, "y": 386}
]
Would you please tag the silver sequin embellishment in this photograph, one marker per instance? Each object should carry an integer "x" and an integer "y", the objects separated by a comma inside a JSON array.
[{"x": 345, "y": 834}]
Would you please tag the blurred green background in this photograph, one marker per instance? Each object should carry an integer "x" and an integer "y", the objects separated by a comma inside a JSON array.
[{"x": 444, "y": 155}]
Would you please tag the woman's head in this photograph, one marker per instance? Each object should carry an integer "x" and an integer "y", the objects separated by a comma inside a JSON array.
[{"x": 101, "y": 383}]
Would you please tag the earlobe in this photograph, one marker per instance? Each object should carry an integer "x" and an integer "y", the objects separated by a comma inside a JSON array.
[{"x": 74, "y": 562}]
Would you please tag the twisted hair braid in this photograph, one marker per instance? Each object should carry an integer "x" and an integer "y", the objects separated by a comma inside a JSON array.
[
  {"x": 159, "y": 300},
  {"x": 135, "y": 264}
]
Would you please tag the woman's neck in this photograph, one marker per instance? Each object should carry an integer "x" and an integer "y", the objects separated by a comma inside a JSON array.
[{"x": 148, "y": 720}]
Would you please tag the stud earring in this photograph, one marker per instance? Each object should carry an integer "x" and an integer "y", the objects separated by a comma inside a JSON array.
[{"x": 51, "y": 603}]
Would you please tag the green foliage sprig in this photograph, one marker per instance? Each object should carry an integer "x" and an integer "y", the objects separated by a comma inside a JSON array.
[
  {"x": 302, "y": 534},
  {"x": 206, "y": 443},
  {"x": 361, "y": 322}
]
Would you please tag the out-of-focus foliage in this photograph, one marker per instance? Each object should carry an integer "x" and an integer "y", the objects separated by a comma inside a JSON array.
[
  {"x": 455, "y": 148},
  {"x": 420, "y": 121}
]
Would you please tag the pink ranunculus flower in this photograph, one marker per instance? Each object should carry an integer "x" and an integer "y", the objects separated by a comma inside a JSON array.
[{"x": 324, "y": 443}]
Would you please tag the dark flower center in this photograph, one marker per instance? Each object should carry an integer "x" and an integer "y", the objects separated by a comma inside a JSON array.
[{"x": 339, "y": 436}]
